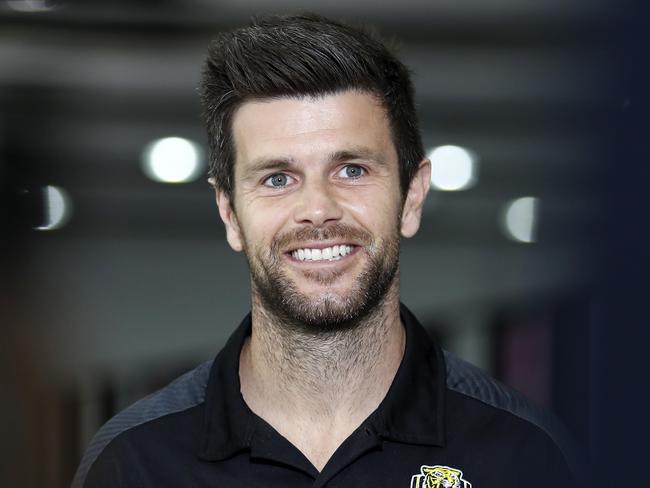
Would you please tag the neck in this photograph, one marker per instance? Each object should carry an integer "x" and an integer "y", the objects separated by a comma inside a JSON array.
[{"x": 293, "y": 379}]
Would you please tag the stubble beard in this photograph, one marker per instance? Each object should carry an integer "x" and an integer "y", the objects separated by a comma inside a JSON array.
[{"x": 329, "y": 312}]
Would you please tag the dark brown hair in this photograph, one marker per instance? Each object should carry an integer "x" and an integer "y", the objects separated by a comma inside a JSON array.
[{"x": 298, "y": 56}]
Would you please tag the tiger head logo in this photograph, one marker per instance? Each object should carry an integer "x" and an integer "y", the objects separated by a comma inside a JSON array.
[{"x": 439, "y": 477}]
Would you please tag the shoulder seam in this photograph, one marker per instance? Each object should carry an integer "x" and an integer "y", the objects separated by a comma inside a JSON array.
[
  {"x": 499, "y": 396},
  {"x": 184, "y": 393}
]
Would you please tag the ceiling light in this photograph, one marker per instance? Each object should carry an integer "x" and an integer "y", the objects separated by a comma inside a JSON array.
[
  {"x": 519, "y": 219},
  {"x": 172, "y": 160},
  {"x": 58, "y": 208},
  {"x": 453, "y": 168}
]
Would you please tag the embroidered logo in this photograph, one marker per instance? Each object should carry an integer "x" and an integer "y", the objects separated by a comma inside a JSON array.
[{"x": 439, "y": 477}]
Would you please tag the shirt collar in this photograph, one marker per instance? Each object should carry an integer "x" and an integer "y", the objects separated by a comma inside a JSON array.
[
  {"x": 412, "y": 411},
  {"x": 227, "y": 420},
  {"x": 414, "y": 407}
]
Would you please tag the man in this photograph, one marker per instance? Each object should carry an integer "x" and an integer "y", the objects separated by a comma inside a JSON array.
[{"x": 318, "y": 168}]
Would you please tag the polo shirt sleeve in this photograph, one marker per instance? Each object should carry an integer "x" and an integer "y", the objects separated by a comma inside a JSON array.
[{"x": 113, "y": 468}]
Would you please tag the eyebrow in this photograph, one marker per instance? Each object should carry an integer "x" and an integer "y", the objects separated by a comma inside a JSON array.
[
  {"x": 362, "y": 153},
  {"x": 262, "y": 165}
]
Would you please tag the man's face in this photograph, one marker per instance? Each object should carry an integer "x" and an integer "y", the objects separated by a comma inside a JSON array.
[{"x": 317, "y": 207}]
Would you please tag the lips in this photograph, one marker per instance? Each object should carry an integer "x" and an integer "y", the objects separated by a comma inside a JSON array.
[
  {"x": 323, "y": 245},
  {"x": 330, "y": 253}
]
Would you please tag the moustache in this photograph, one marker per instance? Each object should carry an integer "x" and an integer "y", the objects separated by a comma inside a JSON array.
[{"x": 338, "y": 231}]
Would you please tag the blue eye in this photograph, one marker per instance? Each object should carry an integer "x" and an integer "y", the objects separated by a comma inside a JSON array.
[
  {"x": 277, "y": 180},
  {"x": 352, "y": 171}
]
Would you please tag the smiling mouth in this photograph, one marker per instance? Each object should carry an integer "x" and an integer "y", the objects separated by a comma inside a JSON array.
[{"x": 333, "y": 253}]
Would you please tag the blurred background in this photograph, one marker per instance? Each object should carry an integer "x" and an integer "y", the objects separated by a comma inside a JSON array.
[{"x": 116, "y": 276}]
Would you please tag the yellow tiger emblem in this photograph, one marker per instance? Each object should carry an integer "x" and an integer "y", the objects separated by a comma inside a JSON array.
[{"x": 439, "y": 477}]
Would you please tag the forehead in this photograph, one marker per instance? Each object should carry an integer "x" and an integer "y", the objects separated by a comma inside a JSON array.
[{"x": 304, "y": 128}]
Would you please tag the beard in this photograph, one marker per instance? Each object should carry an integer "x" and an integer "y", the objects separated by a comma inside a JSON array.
[{"x": 329, "y": 311}]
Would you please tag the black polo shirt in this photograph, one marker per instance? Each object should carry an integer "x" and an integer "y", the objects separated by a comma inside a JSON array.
[{"x": 442, "y": 420}]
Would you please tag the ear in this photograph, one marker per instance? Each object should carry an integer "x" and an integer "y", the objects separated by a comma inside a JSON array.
[
  {"x": 418, "y": 189},
  {"x": 227, "y": 213}
]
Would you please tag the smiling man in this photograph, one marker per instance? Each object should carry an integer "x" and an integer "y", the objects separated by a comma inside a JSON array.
[{"x": 319, "y": 171}]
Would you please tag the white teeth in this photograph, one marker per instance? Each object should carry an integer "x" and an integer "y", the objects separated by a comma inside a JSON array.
[{"x": 333, "y": 253}]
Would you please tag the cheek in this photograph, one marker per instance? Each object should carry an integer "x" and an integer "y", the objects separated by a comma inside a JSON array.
[
  {"x": 376, "y": 209},
  {"x": 261, "y": 223}
]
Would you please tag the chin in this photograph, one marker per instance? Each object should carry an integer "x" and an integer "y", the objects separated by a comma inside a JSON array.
[
  {"x": 321, "y": 311},
  {"x": 319, "y": 300}
]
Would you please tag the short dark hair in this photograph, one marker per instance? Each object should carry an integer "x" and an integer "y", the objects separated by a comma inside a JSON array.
[{"x": 303, "y": 56}]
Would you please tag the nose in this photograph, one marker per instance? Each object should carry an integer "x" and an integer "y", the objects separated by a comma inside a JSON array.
[{"x": 317, "y": 204}]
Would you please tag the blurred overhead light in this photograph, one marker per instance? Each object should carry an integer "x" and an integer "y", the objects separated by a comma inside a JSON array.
[
  {"x": 172, "y": 160},
  {"x": 31, "y": 5},
  {"x": 58, "y": 208},
  {"x": 519, "y": 219},
  {"x": 453, "y": 168}
]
